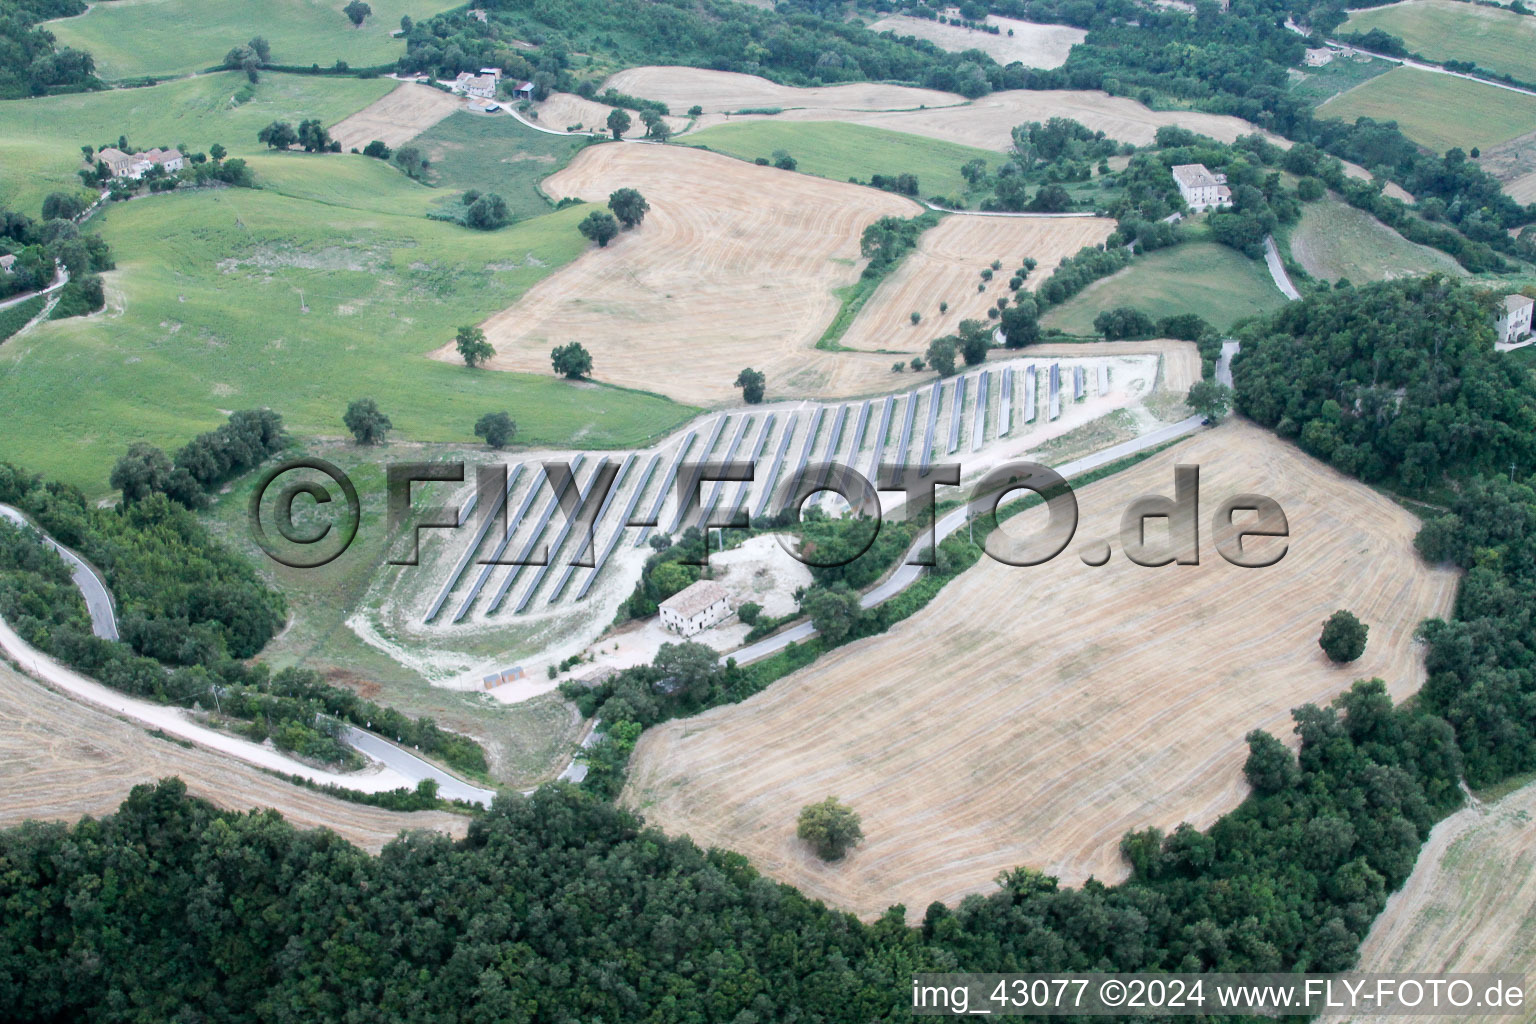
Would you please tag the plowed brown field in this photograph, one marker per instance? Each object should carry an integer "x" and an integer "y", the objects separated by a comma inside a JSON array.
[{"x": 1031, "y": 716}]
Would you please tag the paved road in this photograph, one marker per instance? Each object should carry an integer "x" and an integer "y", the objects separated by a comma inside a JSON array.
[
  {"x": 1277, "y": 269},
  {"x": 405, "y": 763},
  {"x": 402, "y": 768},
  {"x": 60, "y": 279},
  {"x": 1229, "y": 349},
  {"x": 98, "y": 600}
]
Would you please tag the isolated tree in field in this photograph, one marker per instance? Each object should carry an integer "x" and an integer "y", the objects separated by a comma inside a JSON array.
[
  {"x": 941, "y": 355},
  {"x": 142, "y": 471},
  {"x": 217, "y": 152},
  {"x": 487, "y": 212},
  {"x": 916, "y": 318},
  {"x": 917, "y": 364},
  {"x": 619, "y": 122},
  {"x": 313, "y": 136},
  {"x": 783, "y": 161},
  {"x": 571, "y": 360},
  {"x": 655, "y": 126},
  {"x": 830, "y": 827},
  {"x": 377, "y": 149},
  {"x": 496, "y": 428},
  {"x": 356, "y": 11},
  {"x": 278, "y": 135},
  {"x": 599, "y": 226},
  {"x": 629, "y": 206},
  {"x": 473, "y": 347},
  {"x": 367, "y": 424},
  {"x": 410, "y": 160},
  {"x": 261, "y": 48},
  {"x": 1209, "y": 399},
  {"x": 1343, "y": 638},
  {"x": 752, "y": 383}
]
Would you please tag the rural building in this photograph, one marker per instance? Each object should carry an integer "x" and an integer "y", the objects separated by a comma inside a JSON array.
[
  {"x": 1200, "y": 188},
  {"x": 170, "y": 159},
  {"x": 133, "y": 165},
  {"x": 122, "y": 165},
  {"x": 1317, "y": 57},
  {"x": 8, "y": 263},
  {"x": 1514, "y": 323},
  {"x": 493, "y": 72},
  {"x": 480, "y": 86},
  {"x": 524, "y": 91},
  {"x": 697, "y": 606}
]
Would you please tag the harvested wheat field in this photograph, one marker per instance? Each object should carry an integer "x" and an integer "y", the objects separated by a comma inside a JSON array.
[
  {"x": 1034, "y": 46},
  {"x": 986, "y": 123},
  {"x": 1470, "y": 904},
  {"x": 720, "y": 92},
  {"x": 397, "y": 117},
  {"x": 1031, "y": 716},
  {"x": 566, "y": 110},
  {"x": 62, "y": 760},
  {"x": 734, "y": 266},
  {"x": 946, "y": 267}
]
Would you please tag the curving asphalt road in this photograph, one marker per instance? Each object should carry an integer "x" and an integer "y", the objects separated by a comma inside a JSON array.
[
  {"x": 401, "y": 766},
  {"x": 98, "y": 600}
]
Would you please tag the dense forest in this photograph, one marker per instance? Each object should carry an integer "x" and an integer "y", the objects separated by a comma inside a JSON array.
[{"x": 1399, "y": 385}]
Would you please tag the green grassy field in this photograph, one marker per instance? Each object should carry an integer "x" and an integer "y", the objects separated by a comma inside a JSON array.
[
  {"x": 1196, "y": 277},
  {"x": 1334, "y": 240},
  {"x": 495, "y": 154},
  {"x": 1319, "y": 85},
  {"x": 40, "y": 139},
  {"x": 1438, "y": 111},
  {"x": 237, "y": 298},
  {"x": 133, "y": 38},
  {"x": 841, "y": 151},
  {"x": 1499, "y": 40}
]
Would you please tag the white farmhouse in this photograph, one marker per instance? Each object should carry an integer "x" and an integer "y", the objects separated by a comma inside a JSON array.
[
  {"x": 479, "y": 86},
  {"x": 696, "y": 607},
  {"x": 1201, "y": 189},
  {"x": 1514, "y": 323},
  {"x": 133, "y": 165}
]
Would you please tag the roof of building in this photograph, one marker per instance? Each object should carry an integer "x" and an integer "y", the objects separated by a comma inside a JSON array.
[
  {"x": 7, "y": 261},
  {"x": 694, "y": 598},
  {"x": 161, "y": 155},
  {"x": 1194, "y": 176},
  {"x": 112, "y": 155},
  {"x": 1515, "y": 303}
]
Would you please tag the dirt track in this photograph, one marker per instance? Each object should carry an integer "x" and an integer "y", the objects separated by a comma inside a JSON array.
[
  {"x": 1034, "y": 715},
  {"x": 946, "y": 267},
  {"x": 734, "y": 266},
  {"x": 1470, "y": 904},
  {"x": 397, "y": 117},
  {"x": 61, "y": 760}
]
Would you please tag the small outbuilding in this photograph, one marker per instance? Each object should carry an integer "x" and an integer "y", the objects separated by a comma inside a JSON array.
[
  {"x": 524, "y": 91},
  {"x": 695, "y": 608}
]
